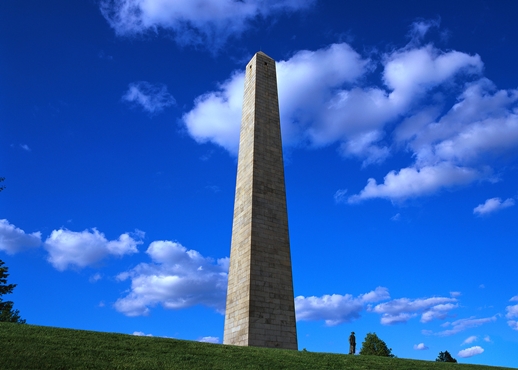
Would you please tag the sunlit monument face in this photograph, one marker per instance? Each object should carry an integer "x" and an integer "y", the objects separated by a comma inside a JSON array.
[{"x": 260, "y": 307}]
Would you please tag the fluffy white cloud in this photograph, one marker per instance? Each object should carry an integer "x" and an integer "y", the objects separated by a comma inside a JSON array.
[
  {"x": 469, "y": 340},
  {"x": 403, "y": 309},
  {"x": 325, "y": 98},
  {"x": 469, "y": 352},
  {"x": 214, "y": 340},
  {"x": 14, "y": 240},
  {"x": 141, "y": 334},
  {"x": 152, "y": 98},
  {"x": 512, "y": 311},
  {"x": 336, "y": 309},
  {"x": 307, "y": 84},
  {"x": 216, "y": 115},
  {"x": 463, "y": 324},
  {"x": 69, "y": 248},
  {"x": 177, "y": 278},
  {"x": 413, "y": 71},
  {"x": 484, "y": 122},
  {"x": 95, "y": 278},
  {"x": 414, "y": 182},
  {"x": 420, "y": 347},
  {"x": 492, "y": 205},
  {"x": 454, "y": 149},
  {"x": 208, "y": 22},
  {"x": 321, "y": 103}
]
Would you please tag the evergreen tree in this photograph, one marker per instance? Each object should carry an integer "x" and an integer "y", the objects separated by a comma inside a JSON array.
[
  {"x": 2, "y": 187},
  {"x": 445, "y": 357},
  {"x": 374, "y": 346},
  {"x": 7, "y": 314}
]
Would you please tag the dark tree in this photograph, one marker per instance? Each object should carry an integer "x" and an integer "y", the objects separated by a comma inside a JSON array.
[
  {"x": 445, "y": 357},
  {"x": 373, "y": 346},
  {"x": 7, "y": 314},
  {"x": 2, "y": 187}
]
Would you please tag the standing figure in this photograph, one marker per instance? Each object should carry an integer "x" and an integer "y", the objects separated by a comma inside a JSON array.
[{"x": 352, "y": 344}]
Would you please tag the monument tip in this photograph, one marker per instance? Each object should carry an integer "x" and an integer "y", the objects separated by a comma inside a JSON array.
[{"x": 260, "y": 52}]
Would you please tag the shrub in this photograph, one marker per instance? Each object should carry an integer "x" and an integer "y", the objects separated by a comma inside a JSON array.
[
  {"x": 445, "y": 357},
  {"x": 374, "y": 346}
]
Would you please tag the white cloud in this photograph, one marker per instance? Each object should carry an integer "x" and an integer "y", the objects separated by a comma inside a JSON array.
[
  {"x": 403, "y": 309},
  {"x": 484, "y": 122},
  {"x": 399, "y": 318},
  {"x": 514, "y": 299},
  {"x": 216, "y": 115},
  {"x": 198, "y": 22},
  {"x": 396, "y": 217},
  {"x": 177, "y": 278},
  {"x": 320, "y": 102},
  {"x": 492, "y": 205},
  {"x": 376, "y": 295},
  {"x": 463, "y": 324},
  {"x": 214, "y": 340},
  {"x": 414, "y": 182},
  {"x": 512, "y": 311},
  {"x": 336, "y": 309},
  {"x": 414, "y": 71},
  {"x": 152, "y": 98},
  {"x": 420, "y": 28},
  {"x": 141, "y": 334},
  {"x": 487, "y": 339},
  {"x": 455, "y": 294},
  {"x": 454, "y": 149},
  {"x": 513, "y": 324},
  {"x": 307, "y": 85},
  {"x": 95, "y": 277},
  {"x": 69, "y": 248},
  {"x": 14, "y": 240},
  {"x": 469, "y": 340},
  {"x": 469, "y": 352},
  {"x": 25, "y": 147},
  {"x": 340, "y": 195},
  {"x": 324, "y": 99},
  {"x": 439, "y": 311},
  {"x": 420, "y": 347}
]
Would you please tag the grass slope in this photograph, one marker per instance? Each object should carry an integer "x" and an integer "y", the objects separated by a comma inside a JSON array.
[{"x": 39, "y": 347}]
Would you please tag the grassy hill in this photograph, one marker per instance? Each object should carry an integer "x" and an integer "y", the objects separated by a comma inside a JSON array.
[{"x": 39, "y": 347}]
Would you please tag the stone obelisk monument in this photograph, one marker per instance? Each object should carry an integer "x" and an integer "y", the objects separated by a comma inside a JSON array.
[{"x": 260, "y": 307}]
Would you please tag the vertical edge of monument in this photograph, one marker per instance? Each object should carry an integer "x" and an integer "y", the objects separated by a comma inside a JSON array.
[
  {"x": 237, "y": 306},
  {"x": 260, "y": 303}
]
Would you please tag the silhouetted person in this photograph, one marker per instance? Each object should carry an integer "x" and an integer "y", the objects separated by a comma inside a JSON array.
[{"x": 352, "y": 344}]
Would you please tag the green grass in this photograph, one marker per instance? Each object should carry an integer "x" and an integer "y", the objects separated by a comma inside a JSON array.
[{"x": 39, "y": 347}]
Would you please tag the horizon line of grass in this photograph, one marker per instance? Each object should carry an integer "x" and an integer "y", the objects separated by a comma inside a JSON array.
[{"x": 40, "y": 347}]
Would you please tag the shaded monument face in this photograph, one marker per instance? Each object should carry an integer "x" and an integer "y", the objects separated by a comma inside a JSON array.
[{"x": 260, "y": 306}]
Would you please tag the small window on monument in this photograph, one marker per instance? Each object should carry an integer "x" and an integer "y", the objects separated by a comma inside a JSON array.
[{"x": 265, "y": 63}]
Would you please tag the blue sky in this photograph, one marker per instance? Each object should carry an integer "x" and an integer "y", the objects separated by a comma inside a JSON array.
[{"x": 119, "y": 123}]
